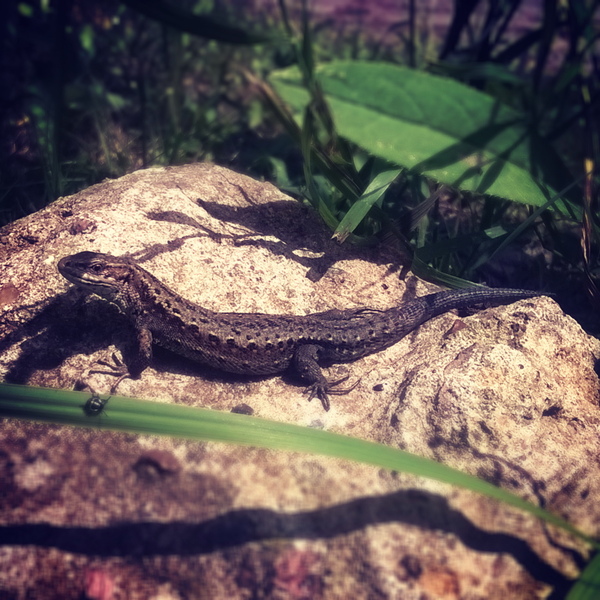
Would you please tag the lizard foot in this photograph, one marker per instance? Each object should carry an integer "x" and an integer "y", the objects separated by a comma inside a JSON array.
[
  {"x": 116, "y": 368},
  {"x": 323, "y": 389}
]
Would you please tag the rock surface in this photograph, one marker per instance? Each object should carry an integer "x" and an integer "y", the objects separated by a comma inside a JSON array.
[{"x": 509, "y": 394}]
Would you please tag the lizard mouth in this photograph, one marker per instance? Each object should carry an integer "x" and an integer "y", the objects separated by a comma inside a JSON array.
[
  {"x": 78, "y": 269},
  {"x": 71, "y": 270},
  {"x": 65, "y": 268}
]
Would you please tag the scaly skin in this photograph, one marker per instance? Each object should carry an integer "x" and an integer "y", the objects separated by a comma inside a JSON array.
[{"x": 256, "y": 343}]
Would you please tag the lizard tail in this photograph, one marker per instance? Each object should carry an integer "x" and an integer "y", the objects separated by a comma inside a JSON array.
[{"x": 444, "y": 301}]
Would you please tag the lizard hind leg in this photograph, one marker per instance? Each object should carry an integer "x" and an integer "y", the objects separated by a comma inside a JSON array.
[
  {"x": 140, "y": 360},
  {"x": 306, "y": 365}
]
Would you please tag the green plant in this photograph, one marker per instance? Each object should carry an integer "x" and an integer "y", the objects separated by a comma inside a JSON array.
[
  {"x": 494, "y": 146},
  {"x": 97, "y": 90}
]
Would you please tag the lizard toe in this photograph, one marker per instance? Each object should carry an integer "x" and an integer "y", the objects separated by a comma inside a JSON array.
[
  {"x": 117, "y": 369},
  {"x": 322, "y": 390}
]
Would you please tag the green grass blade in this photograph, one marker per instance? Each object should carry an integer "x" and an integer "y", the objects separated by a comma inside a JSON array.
[
  {"x": 425, "y": 255},
  {"x": 359, "y": 210},
  {"x": 423, "y": 270},
  {"x": 145, "y": 417}
]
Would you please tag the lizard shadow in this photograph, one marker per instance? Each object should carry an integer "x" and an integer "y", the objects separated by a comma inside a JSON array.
[
  {"x": 234, "y": 528},
  {"x": 70, "y": 324},
  {"x": 296, "y": 228},
  {"x": 495, "y": 469}
]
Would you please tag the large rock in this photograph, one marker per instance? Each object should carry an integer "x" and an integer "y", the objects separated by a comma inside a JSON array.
[{"x": 509, "y": 394}]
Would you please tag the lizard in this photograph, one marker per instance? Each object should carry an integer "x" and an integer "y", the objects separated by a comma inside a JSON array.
[{"x": 256, "y": 343}]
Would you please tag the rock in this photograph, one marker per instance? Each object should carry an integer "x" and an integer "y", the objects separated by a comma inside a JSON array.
[{"x": 509, "y": 394}]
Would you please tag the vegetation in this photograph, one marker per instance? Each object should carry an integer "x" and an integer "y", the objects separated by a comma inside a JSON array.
[
  {"x": 456, "y": 148},
  {"x": 455, "y": 160},
  {"x": 495, "y": 147}
]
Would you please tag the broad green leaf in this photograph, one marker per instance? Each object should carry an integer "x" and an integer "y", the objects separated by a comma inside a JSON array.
[{"x": 435, "y": 126}]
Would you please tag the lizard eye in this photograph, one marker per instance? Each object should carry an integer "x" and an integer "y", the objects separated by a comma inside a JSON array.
[{"x": 96, "y": 268}]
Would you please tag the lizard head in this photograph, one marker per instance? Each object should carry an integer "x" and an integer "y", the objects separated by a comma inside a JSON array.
[{"x": 100, "y": 274}]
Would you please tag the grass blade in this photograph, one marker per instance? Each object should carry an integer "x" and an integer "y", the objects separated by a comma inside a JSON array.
[{"x": 145, "y": 417}]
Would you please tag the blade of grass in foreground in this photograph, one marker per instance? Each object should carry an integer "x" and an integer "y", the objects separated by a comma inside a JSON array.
[{"x": 146, "y": 417}]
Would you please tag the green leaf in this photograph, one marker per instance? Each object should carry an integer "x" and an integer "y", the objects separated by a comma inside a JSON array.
[
  {"x": 424, "y": 255},
  {"x": 424, "y": 271},
  {"x": 116, "y": 101},
  {"x": 435, "y": 126},
  {"x": 490, "y": 72}
]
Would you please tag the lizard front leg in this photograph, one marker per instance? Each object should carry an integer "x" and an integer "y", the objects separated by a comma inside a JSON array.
[
  {"x": 306, "y": 364},
  {"x": 138, "y": 363}
]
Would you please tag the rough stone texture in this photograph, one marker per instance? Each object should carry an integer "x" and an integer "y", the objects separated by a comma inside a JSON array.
[{"x": 509, "y": 394}]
